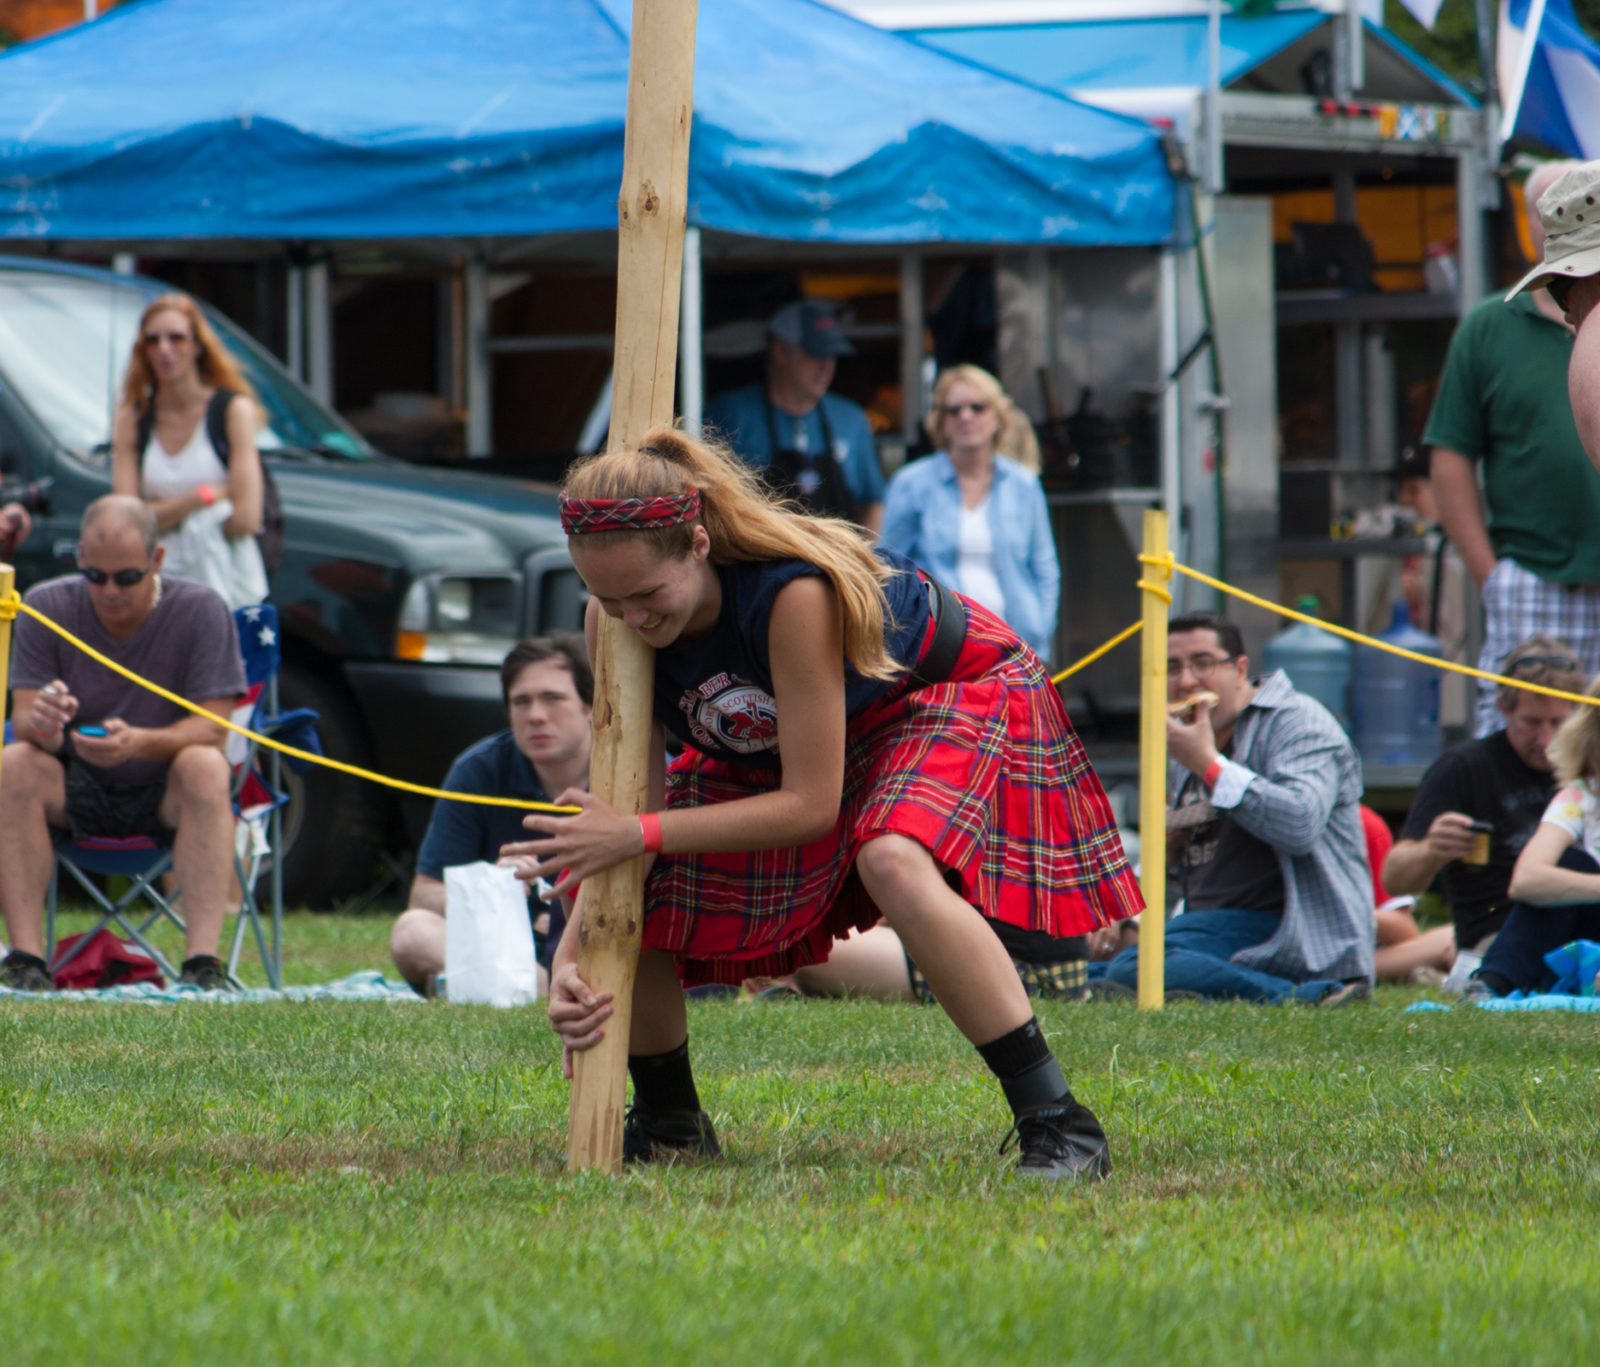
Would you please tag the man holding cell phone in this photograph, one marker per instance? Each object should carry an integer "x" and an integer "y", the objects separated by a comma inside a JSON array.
[{"x": 96, "y": 755}]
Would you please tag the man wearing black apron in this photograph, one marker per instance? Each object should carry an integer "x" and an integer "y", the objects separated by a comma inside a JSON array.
[{"x": 814, "y": 446}]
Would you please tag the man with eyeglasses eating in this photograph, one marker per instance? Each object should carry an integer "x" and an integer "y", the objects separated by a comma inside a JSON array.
[
  {"x": 97, "y": 755},
  {"x": 1264, "y": 837},
  {"x": 1496, "y": 787}
]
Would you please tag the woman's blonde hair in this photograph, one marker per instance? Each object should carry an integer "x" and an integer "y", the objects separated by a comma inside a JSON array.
[
  {"x": 1015, "y": 438},
  {"x": 1575, "y": 751},
  {"x": 746, "y": 523},
  {"x": 214, "y": 361}
]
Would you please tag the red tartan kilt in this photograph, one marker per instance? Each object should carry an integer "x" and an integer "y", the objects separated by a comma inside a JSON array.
[{"x": 983, "y": 770}]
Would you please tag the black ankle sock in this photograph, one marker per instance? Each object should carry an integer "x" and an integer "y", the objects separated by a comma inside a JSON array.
[
  {"x": 664, "y": 1081},
  {"x": 21, "y": 956},
  {"x": 1028, "y": 1072}
]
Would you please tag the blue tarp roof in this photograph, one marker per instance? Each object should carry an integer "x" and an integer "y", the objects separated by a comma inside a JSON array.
[
  {"x": 1121, "y": 54},
  {"x": 1088, "y": 56},
  {"x": 326, "y": 119}
]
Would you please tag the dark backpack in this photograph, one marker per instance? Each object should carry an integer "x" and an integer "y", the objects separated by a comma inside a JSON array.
[{"x": 270, "y": 538}]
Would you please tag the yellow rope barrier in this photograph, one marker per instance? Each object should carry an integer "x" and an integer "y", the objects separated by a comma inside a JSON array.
[
  {"x": 1403, "y": 653},
  {"x": 11, "y": 605},
  {"x": 1095, "y": 654}
]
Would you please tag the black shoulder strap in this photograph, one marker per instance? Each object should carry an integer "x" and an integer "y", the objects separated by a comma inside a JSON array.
[
  {"x": 217, "y": 423},
  {"x": 147, "y": 423}
]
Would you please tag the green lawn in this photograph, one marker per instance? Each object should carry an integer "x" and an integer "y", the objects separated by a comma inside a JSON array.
[{"x": 382, "y": 1183}]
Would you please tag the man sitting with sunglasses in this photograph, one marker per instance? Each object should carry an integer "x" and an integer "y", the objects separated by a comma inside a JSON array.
[
  {"x": 97, "y": 755},
  {"x": 1264, "y": 836},
  {"x": 1497, "y": 786}
]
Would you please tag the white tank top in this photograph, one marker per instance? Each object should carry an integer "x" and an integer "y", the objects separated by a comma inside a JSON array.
[
  {"x": 163, "y": 476},
  {"x": 975, "y": 567}
]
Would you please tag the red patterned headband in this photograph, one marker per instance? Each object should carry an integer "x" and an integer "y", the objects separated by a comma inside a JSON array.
[{"x": 580, "y": 516}]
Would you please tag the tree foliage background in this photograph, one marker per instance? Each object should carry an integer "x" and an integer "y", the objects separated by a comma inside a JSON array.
[{"x": 1453, "y": 44}]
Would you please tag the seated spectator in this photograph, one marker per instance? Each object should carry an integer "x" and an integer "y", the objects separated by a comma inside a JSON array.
[
  {"x": 1503, "y": 780},
  {"x": 1264, "y": 838},
  {"x": 97, "y": 755},
  {"x": 874, "y": 963},
  {"x": 1405, "y": 952},
  {"x": 15, "y": 524},
  {"x": 1555, "y": 886},
  {"x": 548, "y": 691}
]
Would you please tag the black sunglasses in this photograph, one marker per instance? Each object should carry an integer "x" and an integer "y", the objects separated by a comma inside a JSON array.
[
  {"x": 1554, "y": 661},
  {"x": 1560, "y": 289},
  {"x": 123, "y": 579}
]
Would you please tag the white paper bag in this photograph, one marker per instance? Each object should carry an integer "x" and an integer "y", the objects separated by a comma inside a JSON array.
[{"x": 488, "y": 938}]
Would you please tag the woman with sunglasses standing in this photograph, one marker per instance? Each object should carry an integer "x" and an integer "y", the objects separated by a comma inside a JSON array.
[
  {"x": 973, "y": 513},
  {"x": 184, "y": 440}
]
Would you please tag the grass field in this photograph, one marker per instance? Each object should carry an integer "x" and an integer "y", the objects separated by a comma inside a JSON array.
[{"x": 382, "y": 1183}]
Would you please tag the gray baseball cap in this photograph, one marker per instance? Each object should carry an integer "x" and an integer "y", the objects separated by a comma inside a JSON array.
[
  {"x": 812, "y": 326},
  {"x": 1570, "y": 211}
]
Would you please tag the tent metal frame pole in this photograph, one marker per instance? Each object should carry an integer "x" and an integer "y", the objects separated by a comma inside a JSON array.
[
  {"x": 912, "y": 311},
  {"x": 319, "y": 332},
  {"x": 691, "y": 337},
  {"x": 480, "y": 415},
  {"x": 1214, "y": 176},
  {"x": 1171, "y": 410},
  {"x": 1473, "y": 276},
  {"x": 295, "y": 322}
]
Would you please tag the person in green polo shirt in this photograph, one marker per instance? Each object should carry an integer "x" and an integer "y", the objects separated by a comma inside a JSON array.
[
  {"x": 1570, "y": 271},
  {"x": 1530, "y": 541}
]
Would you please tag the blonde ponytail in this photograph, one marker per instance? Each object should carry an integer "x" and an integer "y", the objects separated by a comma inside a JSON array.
[{"x": 747, "y": 523}]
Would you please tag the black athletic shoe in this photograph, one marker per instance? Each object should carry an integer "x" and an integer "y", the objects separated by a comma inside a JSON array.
[
  {"x": 206, "y": 972},
  {"x": 25, "y": 973},
  {"x": 651, "y": 1136},
  {"x": 1056, "y": 1142}
]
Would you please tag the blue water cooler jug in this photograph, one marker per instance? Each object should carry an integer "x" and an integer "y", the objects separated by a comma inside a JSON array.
[
  {"x": 1396, "y": 709},
  {"x": 1316, "y": 661}
]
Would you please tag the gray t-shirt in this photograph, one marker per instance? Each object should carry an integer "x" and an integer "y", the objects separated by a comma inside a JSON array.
[{"x": 188, "y": 645}]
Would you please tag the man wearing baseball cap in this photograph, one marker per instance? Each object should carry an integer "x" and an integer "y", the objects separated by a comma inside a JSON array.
[
  {"x": 1529, "y": 540},
  {"x": 813, "y": 445},
  {"x": 1570, "y": 272}
]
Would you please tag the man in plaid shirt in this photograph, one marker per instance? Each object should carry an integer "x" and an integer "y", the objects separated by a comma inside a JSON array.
[{"x": 1264, "y": 836}]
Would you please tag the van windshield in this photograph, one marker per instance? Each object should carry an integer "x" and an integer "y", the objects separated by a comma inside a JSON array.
[{"x": 65, "y": 342}]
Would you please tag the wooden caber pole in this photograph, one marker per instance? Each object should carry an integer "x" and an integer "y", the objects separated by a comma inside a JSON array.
[{"x": 650, "y": 224}]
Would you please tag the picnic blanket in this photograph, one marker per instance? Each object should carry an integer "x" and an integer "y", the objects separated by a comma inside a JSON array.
[
  {"x": 1575, "y": 965},
  {"x": 366, "y": 986}
]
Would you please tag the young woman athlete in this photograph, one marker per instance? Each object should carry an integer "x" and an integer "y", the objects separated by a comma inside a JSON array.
[{"x": 860, "y": 740}]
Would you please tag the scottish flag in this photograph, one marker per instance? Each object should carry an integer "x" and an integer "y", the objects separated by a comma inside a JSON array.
[{"x": 1549, "y": 72}]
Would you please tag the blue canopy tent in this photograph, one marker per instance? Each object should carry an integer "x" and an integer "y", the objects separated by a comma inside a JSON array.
[
  {"x": 493, "y": 129},
  {"x": 310, "y": 121}
]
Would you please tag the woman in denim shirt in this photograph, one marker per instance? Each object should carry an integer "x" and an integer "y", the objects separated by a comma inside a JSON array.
[{"x": 975, "y": 519}]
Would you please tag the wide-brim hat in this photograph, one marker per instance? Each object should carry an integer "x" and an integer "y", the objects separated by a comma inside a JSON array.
[{"x": 1570, "y": 212}]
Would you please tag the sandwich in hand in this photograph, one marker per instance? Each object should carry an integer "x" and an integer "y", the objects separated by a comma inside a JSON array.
[{"x": 1185, "y": 707}]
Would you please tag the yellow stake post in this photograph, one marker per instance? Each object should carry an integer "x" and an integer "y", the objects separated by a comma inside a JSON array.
[
  {"x": 1157, "y": 566},
  {"x": 8, "y": 579}
]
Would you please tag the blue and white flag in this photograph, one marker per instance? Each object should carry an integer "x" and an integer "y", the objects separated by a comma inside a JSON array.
[{"x": 1549, "y": 72}]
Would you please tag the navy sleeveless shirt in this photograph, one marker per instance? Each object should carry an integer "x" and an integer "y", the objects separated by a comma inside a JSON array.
[{"x": 715, "y": 692}]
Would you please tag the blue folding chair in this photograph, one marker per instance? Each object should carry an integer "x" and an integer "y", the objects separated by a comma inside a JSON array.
[{"x": 258, "y": 809}]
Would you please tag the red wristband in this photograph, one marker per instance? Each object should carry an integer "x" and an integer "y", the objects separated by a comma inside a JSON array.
[
  {"x": 650, "y": 827},
  {"x": 208, "y": 495},
  {"x": 1212, "y": 774}
]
